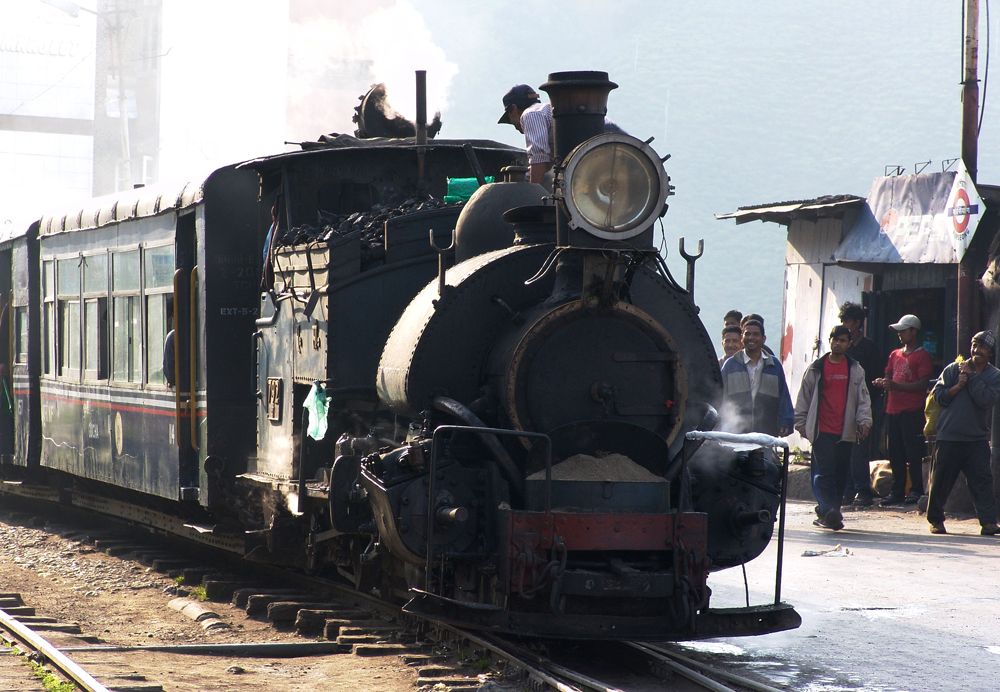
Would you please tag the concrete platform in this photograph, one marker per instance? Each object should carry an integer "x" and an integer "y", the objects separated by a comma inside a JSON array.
[{"x": 901, "y": 595}]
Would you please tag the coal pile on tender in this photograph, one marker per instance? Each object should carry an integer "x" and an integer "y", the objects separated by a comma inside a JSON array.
[{"x": 368, "y": 227}]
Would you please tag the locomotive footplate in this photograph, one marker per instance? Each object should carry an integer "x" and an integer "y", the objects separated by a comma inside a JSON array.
[{"x": 711, "y": 622}]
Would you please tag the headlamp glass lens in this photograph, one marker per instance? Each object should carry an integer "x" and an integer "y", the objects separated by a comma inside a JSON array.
[{"x": 615, "y": 187}]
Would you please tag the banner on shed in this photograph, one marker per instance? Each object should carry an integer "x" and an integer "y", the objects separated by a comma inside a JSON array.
[{"x": 928, "y": 219}]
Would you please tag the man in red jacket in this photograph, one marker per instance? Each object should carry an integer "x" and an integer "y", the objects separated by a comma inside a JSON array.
[
  {"x": 907, "y": 376},
  {"x": 833, "y": 411}
]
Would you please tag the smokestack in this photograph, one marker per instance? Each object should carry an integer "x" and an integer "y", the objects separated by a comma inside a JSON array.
[
  {"x": 579, "y": 103},
  {"x": 421, "y": 138}
]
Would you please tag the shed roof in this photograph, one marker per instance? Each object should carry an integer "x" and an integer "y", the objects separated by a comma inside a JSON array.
[{"x": 784, "y": 213}]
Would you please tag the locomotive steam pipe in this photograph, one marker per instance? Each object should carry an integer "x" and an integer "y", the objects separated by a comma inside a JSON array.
[
  {"x": 451, "y": 515},
  {"x": 507, "y": 465},
  {"x": 746, "y": 519}
]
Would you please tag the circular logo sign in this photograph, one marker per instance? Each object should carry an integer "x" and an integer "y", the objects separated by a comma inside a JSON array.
[
  {"x": 119, "y": 433},
  {"x": 961, "y": 220}
]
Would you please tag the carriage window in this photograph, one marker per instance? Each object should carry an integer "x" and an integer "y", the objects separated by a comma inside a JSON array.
[
  {"x": 126, "y": 271},
  {"x": 48, "y": 279},
  {"x": 95, "y": 274},
  {"x": 68, "y": 297},
  {"x": 157, "y": 327},
  {"x": 160, "y": 267},
  {"x": 95, "y": 317},
  {"x": 48, "y": 317},
  {"x": 126, "y": 352},
  {"x": 21, "y": 343},
  {"x": 158, "y": 277}
]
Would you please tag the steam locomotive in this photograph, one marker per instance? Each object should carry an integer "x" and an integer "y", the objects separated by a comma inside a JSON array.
[{"x": 479, "y": 409}]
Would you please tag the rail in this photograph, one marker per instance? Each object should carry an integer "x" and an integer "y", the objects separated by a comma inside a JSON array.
[{"x": 61, "y": 661}]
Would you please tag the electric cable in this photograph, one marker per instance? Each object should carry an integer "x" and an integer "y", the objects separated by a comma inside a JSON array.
[{"x": 986, "y": 73}]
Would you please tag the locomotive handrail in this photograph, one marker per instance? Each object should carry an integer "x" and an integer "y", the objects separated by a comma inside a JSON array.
[
  {"x": 177, "y": 358},
  {"x": 752, "y": 439},
  {"x": 192, "y": 329},
  {"x": 269, "y": 321},
  {"x": 435, "y": 452}
]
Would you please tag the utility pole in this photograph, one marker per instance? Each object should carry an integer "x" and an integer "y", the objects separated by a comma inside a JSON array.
[
  {"x": 968, "y": 321},
  {"x": 118, "y": 32}
]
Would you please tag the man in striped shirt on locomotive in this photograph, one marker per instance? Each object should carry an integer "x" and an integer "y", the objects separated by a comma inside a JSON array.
[{"x": 523, "y": 109}]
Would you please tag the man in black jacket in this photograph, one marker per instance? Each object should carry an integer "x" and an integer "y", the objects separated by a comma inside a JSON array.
[{"x": 865, "y": 352}]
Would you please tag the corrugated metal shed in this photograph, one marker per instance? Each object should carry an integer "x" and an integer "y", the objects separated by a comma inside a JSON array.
[
  {"x": 828, "y": 206},
  {"x": 131, "y": 204}
]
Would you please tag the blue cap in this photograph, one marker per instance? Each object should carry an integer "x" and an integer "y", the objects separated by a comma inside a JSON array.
[{"x": 521, "y": 95}]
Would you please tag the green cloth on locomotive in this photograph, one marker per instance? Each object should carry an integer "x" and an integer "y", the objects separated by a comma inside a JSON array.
[
  {"x": 317, "y": 403},
  {"x": 461, "y": 189}
]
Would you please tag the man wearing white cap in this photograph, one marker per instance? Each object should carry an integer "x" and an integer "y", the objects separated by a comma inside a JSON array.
[{"x": 907, "y": 375}]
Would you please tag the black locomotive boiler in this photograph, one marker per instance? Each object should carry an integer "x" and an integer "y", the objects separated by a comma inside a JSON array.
[
  {"x": 558, "y": 340},
  {"x": 480, "y": 410}
]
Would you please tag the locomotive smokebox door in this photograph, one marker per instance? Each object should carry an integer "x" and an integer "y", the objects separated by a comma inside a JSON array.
[{"x": 577, "y": 364}]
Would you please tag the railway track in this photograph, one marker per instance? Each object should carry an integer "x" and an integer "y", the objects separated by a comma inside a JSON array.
[
  {"x": 29, "y": 643},
  {"x": 367, "y": 625}
]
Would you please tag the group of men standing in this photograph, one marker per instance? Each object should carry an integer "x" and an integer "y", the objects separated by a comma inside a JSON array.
[{"x": 833, "y": 410}]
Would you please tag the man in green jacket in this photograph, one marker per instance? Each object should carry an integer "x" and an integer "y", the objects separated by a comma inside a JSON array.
[{"x": 832, "y": 411}]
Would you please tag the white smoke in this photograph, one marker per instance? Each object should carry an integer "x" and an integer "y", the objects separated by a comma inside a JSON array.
[
  {"x": 335, "y": 56},
  {"x": 400, "y": 43}
]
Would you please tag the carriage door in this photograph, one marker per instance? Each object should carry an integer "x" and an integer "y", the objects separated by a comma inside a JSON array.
[
  {"x": 8, "y": 315},
  {"x": 184, "y": 324}
]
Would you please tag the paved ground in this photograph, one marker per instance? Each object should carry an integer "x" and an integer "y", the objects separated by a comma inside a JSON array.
[{"x": 906, "y": 610}]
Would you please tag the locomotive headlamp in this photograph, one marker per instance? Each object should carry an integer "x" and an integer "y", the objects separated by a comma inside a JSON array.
[{"x": 613, "y": 187}]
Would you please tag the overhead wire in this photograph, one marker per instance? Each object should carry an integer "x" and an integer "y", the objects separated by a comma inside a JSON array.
[{"x": 986, "y": 74}]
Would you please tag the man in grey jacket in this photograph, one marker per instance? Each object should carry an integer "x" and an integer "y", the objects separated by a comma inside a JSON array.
[
  {"x": 832, "y": 411},
  {"x": 966, "y": 393}
]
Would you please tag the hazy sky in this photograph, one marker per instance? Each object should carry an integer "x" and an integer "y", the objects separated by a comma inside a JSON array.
[{"x": 756, "y": 102}]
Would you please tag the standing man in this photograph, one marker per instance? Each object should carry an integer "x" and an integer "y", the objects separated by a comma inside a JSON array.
[
  {"x": 732, "y": 342},
  {"x": 907, "y": 375},
  {"x": 966, "y": 393},
  {"x": 732, "y": 318},
  {"x": 833, "y": 411},
  {"x": 755, "y": 395},
  {"x": 863, "y": 350},
  {"x": 523, "y": 109}
]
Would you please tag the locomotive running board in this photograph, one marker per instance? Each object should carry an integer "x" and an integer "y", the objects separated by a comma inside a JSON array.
[{"x": 713, "y": 622}]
